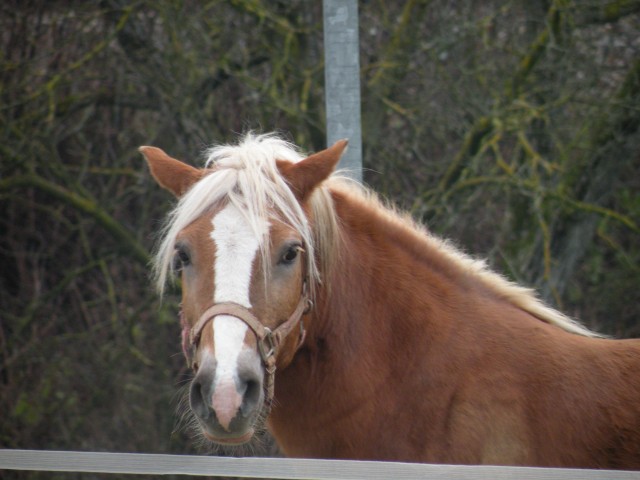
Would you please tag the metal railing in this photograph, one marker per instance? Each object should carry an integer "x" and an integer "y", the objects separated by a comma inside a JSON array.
[{"x": 281, "y": 468}]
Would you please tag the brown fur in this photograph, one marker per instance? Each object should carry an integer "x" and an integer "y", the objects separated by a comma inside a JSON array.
[
  {"x": 415, "y": 354},
  {"x": 412, "y": 359},
  {"x": 177, "y": 177}
]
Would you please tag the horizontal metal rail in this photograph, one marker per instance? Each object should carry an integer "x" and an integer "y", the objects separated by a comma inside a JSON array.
[{"x": 280, "y": 468}]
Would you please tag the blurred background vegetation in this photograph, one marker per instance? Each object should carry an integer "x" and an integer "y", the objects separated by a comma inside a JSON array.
[{"x": 511, "y": 127}]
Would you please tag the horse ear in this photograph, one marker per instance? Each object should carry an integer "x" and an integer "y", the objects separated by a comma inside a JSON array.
[
  {"x": 307, "y": 174},
  {"x": 172, "y": 174}
]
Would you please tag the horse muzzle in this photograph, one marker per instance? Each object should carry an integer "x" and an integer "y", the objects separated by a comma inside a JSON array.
[
  {"x": 228, "y": 401},
  {"x": 227, "y": 405}
]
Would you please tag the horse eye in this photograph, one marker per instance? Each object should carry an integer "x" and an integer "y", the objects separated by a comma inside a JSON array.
[
  {"x": 180, "y": 259},
  {"x": 291, "y": 254}
]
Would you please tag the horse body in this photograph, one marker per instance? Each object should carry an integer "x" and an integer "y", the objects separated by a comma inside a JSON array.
[
  {"x": 413, "y": 351},
  {"x": 433, "y": 366}
]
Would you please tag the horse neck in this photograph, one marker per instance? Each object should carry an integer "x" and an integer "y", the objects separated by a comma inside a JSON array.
[
  {"x": 385, "y": 277},
  {"x": 375, "y": 312}
]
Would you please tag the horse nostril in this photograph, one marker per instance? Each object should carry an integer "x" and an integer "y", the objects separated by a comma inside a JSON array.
[
  {"x": 249, "y": 382},
  {"x": 251, "y": 397},
  {"x": 198, "y": 400}
]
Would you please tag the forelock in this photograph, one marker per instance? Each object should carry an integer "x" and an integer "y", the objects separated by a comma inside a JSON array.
[{"x": 246, "y": 175}]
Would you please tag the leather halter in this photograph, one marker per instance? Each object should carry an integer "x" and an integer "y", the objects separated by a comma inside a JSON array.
[{"x": 268, "y": 340}]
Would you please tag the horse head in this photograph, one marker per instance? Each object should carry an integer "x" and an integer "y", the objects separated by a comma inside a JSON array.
[{"x": 241, "y": 242}]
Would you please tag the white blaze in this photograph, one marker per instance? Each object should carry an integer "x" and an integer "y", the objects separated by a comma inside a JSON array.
[{"x": 236, "y": 246}]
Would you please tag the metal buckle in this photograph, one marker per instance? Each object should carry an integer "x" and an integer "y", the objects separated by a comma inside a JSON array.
[{"x": 267, "y": 342}]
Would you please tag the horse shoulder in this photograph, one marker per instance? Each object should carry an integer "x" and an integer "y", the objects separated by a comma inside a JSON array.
[
  {"x": 617, "y": 395},
  {"x": 525, "y": 392}
]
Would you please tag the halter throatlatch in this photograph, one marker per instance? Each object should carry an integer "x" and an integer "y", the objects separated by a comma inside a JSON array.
[{"x": 268, "y": 340}]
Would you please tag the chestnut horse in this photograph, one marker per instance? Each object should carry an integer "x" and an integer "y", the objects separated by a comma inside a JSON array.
[{"x": 384, "y": 341}]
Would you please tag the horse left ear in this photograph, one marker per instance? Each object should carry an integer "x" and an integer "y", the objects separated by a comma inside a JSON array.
[
  {"x": 307, "y": 174},
  {"x": 172, "y": 174}
]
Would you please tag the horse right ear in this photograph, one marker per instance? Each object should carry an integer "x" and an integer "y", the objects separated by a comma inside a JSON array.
[
  {"x": 172, "y": 174},
  {"x": 307, "y": 174}
]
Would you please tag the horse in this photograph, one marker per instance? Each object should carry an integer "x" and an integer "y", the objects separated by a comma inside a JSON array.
[{"x": 310, "y": 304}]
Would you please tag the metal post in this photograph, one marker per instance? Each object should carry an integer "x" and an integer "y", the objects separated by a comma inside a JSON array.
[{"x": 342, "y": 80}]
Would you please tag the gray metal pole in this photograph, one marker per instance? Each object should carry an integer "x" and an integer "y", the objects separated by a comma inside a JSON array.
[{"x": 342, "y": 80}]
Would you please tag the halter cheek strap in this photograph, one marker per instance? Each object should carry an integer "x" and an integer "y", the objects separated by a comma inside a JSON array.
[{"x": 268, "y": 340}]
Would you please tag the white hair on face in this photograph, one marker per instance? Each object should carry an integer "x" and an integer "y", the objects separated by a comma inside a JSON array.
[
  {"x": 246, "y": 176},
  {"x": 236, "y": 247}
]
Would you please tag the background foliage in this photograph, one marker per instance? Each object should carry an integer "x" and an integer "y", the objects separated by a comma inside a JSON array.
[{"x": 510, "y": 126}]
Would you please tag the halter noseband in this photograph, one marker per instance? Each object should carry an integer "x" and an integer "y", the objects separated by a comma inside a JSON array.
[{"x": 268, "y": 340}]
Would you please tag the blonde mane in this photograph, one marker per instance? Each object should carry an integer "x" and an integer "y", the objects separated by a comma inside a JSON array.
[
  {"x": 522, "y": 298},
  {"x": 246, "y": 175}
]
